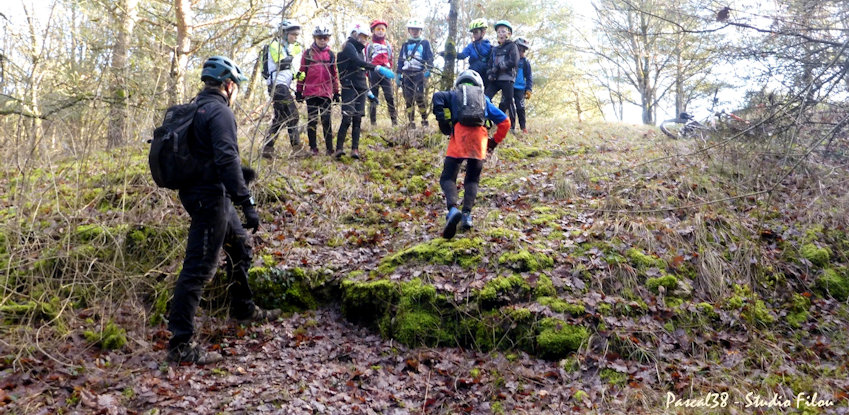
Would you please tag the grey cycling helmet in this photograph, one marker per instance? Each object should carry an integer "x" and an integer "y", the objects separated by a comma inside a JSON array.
[
  {"x": 521, "y": 42},
  {"x": 321, "y": 30},
  {"x": 219, "y": 68},
  {"x": 469, "y": 76}
]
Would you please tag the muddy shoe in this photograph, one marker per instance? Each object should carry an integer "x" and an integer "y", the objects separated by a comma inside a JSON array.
[
  {"x": 355, "y": 154},
  {"x": 268, "y": 153},
  {"x": 451, "y": 221},
  {"x": 338, "y": 154},
  {"x": 260, "y": 315},
  {"x": 193, "y": 354}
]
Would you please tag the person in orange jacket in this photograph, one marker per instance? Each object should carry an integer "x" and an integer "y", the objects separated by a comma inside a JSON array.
[{"x": 461, "y": 114}]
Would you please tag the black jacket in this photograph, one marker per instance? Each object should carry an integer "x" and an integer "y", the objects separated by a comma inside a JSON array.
[
  {"x": 350, "y": 62},
  {"x": 504, "y": 61},
  {"x": 214, "y": 138}
]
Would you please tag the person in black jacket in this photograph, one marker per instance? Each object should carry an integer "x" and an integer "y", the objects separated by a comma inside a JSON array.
[
  {"x": 503, "y": 65},
  {"x": 352, "y": 77},
  {"x": 215, "y": 222}
]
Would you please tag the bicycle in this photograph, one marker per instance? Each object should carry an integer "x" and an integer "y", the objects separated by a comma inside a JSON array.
[{"x": 684, "y": 127}]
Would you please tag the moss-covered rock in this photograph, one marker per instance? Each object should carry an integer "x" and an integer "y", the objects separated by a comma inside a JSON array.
[
  {"x": 285, "y": 289},
  {"x": 834, "y": 284},
  {"x": 556, "y": 338},
  {"x": 817, "y": 255},
  {"x": 462, "y": 251},
  {"x": 524, "y": 261},
  {"x": 367, "y": 302},
  {"x": 501, "y": 289}
]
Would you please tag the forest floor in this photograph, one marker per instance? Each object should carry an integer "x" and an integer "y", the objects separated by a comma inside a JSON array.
[{"x": 610, "y": 270}]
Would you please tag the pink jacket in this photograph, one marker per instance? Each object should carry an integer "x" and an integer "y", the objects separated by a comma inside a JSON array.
[{"x": 321, "y": 78}]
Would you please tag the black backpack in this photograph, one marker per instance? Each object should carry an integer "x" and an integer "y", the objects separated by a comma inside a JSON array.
[
  {"x": 472, "y": 105},
  {"x": 172, "y": 163},
  {"x": 264, "y": 58}
]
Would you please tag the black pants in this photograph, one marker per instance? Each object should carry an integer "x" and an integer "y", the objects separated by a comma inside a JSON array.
[
  {"x": 378, "y": 82},
  {"x": 448, "y": 181},
  {"x": 319, "y": 108},
  {"x": 519, "y": 108},
  {"x": 285, "y": 112},
  {"x": 506, "y": 104},
  {"x": 353, "y": 109},
  {"x": 214, "y": 224},
  {"x": 413, "y": 87}
]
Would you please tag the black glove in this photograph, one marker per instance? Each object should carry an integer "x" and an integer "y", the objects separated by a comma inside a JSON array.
[
  {"x": 286, "y": 62},
  {"x": 490, "y": 145},
  {"x": 445, "y": 127},
  {"x": 249, "y": 174},
  {"x": 337, "y": 97},
  {"x": 299, "y": 97},
  {"x": 251, "y": 217},
  {"x": 490, "y": 74}
]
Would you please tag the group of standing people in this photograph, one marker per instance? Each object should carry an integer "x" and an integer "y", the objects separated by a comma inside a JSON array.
[
  {"x": 367, "y": 65},
  {"x": 359, "y": 72}
]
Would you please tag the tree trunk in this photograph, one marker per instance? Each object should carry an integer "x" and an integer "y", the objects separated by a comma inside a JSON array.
[
  {"x": 180, "y": 59},
  {"x": 450, "y": 47},
  {"x": 119, "y": 110}
]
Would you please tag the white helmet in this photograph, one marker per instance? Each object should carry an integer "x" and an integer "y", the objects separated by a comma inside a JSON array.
[
  {"x": 359, "y": 28},
  {"x": 287, "y": 25},
  {"x": 415, "y": 24},
  {"x": 469, "y": 76}
]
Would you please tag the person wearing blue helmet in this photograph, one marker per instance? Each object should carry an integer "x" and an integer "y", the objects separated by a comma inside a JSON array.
[{"x": 209, "y": 201}]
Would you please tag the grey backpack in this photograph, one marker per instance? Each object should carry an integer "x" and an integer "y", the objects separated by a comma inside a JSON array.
[{"x": 472, "y": 105}]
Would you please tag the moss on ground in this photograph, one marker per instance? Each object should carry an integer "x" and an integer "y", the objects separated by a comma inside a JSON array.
[
  {"x": 524, "y": 261},
  {"x": 556, "y": 338},
  {"x": 499, "y": 289},
  {"x": 644, "y": 261},
  {"x": 834, "y": 284},
  {"x": 544, "y": 287},
  {"x": 285, "y": 289},
  {"x": 667, "y": 281},
  {"x": 817, "y": 255},
  {"x": 559, "y": 306},
  {"x": 110, "y": 337}
]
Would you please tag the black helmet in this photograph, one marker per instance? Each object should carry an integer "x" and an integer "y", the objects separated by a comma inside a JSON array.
[
  {"x": 219, "y": 68},
  {"x": 685, "y": 116}
]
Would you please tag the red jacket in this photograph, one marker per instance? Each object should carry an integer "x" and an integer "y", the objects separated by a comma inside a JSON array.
[
  {"x": 379, "y": 53},
  {"x": 321, "y": 79}
]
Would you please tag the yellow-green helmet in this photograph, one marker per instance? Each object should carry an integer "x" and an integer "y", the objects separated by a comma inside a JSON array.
[{"x": 477, "y": 24}]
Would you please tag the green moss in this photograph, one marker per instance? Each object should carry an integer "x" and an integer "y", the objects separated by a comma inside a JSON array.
[
  {"x": 524, "y": 261},
  {"x": 613, "y": 377},
  {"x": 579, "y": 396},
  {"x": 416, "y": 184},
  {"x": 559, "y": 306},
  {"x": 417, "y": 328},
  {"x": 673, "y": 302},
  {"x": 817, "y": 256},
  {"x": 502, "y": 233},
  {"x": 161, "y": 296},
  {"x": 757, "y": 312},
  {"x": 463, "y": 251},
  {"x": 522, "y": 153},
  {"x": 643, "y": 261},
  {"x": 544, "y": 219},
  {"x": 285, "y": 289},
  {"x": 570, "y": 364},
  {"x": 605, "y": 309},
  {"x": 112, "y": 337},
  {"x": 368, "y": 301},
  {"x": 667, "y": 281},
  {"x": 522, "y": 315},
  {"x": 707, "y": 309},
  {"x": 556, "y": 338},
  {"x": 544, "y": 288},
  {"x": 833, "y": 284},
  {"x": 502, "y": 286}
]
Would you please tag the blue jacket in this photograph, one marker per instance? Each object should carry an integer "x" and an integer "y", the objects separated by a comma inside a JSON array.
[
  {"x": 478, "y": 54},
  {"x": 524, "y": 77},
  {"x": 415, "y": 56}
]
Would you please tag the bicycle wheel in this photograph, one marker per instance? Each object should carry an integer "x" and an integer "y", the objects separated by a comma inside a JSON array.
[{"x": 666, "y": 131}]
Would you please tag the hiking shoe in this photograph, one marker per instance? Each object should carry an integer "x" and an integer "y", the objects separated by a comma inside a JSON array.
[
  {"x": 466, "y": 223},
  {"x": 451, "y": 221},
  {"x": 424, "y": 123},
  {"x": 525, "y": 130},
  {"x": 260, "y": 315},
  {"x": 186, "y": 353},
  {"x": 329, "y": 152},
  {"x": 355, "y": 154},
  {"x": 314, "y": 152},
  {"x": 338, "y": 154}
]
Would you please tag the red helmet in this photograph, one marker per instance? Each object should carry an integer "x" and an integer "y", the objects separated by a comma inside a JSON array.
[{"x": 377, "y": 22}]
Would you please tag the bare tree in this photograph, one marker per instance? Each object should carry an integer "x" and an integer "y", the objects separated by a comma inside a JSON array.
[
  {"x": 125, "y": 14},
  {"x": 184, "y": 16}
]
